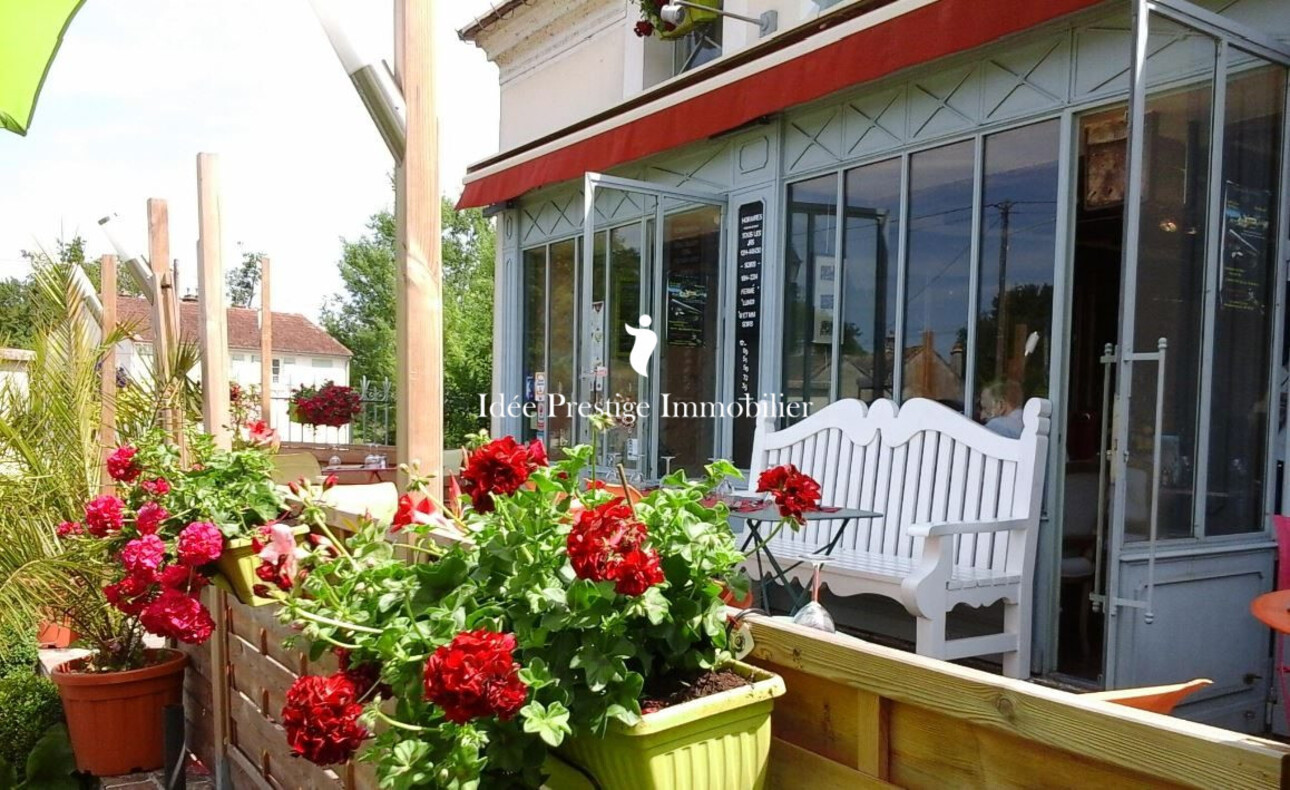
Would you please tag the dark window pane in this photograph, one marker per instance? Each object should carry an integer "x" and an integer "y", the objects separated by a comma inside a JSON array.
[
  {"x": 1018, "y": 241},
  {"x": 1242, "y": 349},
  {"x": 810, "y": 278},
  {"x": 534, "y": 324},
  {"x": 936, "y": 286},
  {"x": 870, "y": 242},
  {"x": 560, "y": 376}
]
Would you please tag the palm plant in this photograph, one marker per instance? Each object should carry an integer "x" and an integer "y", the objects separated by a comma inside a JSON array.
[{"x": 50, "y": 460}]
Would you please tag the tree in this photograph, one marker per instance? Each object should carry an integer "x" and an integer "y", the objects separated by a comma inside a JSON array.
[
  {"x": 16, "y": 320},
  {"x": 362, "y": 316},
  {"x": 242, "y": 281}
]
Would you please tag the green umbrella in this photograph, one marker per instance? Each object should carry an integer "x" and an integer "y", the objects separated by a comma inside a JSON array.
[{"x": 30, "y": 33}]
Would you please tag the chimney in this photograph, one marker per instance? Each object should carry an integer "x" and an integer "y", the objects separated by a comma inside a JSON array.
[{"x": 191, "y": 296}]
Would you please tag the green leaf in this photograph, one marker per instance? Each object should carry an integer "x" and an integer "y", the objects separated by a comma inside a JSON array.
[
  {"x": 653, "y": 604},
  {"x": 550, "y": 723},
  {"x": 52, "y": 763}
]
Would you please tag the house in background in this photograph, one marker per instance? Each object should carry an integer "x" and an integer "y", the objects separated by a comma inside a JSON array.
[
  {"x": 954, "y": 176},
  {"x": 303, "y": 355},
  {"x": 13, "y": 365}
]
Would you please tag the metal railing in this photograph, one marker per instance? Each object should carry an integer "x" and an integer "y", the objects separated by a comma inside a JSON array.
[{"x": 374, "y": 423}]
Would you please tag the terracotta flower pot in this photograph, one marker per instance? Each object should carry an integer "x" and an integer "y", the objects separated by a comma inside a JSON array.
[
  {"x": 55, "y": 635},
  {"x": 115, "y": 718}
]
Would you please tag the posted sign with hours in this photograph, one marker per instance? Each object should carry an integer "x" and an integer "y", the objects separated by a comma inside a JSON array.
[{"x": 748, "y": 262}]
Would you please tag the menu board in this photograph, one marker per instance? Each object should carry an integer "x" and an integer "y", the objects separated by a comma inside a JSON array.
[
  {"x": 1245, "y": 247},
  {"x": 748, "y": 268}
]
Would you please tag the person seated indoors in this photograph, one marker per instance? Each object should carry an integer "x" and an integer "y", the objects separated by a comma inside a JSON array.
[{"x": 1001, "y": 408}]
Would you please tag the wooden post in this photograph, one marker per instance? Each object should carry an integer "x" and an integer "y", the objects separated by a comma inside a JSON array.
[
  {"x": 164, "y": 319},
  {"x": 212, "y": 315},
  {"x": 266, "y": 344},
  {"x": 419, "y": 294},
  {"x": 107, "y": 372}
]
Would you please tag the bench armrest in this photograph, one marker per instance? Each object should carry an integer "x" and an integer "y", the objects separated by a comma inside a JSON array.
[{"x": 939, "y": 528}]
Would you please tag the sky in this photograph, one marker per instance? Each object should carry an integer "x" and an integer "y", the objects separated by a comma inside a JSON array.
[{"x": 140, "y": 87}]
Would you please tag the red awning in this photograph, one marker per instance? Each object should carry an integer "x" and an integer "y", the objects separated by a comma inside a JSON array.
[{"x": 926, "y": 33}]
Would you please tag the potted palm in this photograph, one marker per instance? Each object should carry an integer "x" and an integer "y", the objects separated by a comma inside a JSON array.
[{"x": 571, "y": 623}]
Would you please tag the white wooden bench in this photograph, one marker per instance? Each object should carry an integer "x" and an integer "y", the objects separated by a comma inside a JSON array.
[{"x": 960, "y": 509}]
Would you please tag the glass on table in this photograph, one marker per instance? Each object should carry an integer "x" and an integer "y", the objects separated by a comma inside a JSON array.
[{"x": 814, "y": 615}]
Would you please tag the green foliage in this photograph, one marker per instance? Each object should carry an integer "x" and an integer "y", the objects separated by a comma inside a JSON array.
[
  {"x": 29, "y": 706},
  {"x": 18, "y": 651},
  {"x": 362, "y": 317},
  {"x": 50, "y": 766},
  {"x": 242, "y": 281},
  {"x": 585, "y": 650}
]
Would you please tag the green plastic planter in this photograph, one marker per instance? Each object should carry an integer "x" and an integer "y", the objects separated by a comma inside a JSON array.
[
  {"x": 237, "y": 568},
  {"x": 693, "y": 19},
  {"x": 721, "y": 742}
]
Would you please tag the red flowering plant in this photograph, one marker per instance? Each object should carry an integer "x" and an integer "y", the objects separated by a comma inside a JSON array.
[
  {"x": 557, "y": 608},
  {"x": 332, "y": 404},
  {"x": 155, "y": 536},
  {"x": 793, "y": 492}
]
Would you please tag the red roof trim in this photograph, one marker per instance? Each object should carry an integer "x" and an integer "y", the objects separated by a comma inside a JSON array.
[{"x": 924, "y": 34}]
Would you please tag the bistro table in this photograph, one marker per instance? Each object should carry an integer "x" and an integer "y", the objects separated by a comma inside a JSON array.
[
  {"x": 1273, "y": 609},
  {"x": 757, "y": 512},
  {"x": 357, "y": 474}
]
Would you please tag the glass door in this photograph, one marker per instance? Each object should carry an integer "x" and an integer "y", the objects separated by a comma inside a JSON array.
[
  {"x": 654, "y": 318},
  {"x": 1190, "y": 472}
]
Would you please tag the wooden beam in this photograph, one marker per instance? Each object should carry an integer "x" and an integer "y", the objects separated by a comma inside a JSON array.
[
  {"x": 165, "y": 319},
  {"x": 213, "y": 316},
  {"x": 107, "y": 371},
  {"x": 419, "y": 289},
  {"x": 266, "y": 343},
  {"x": 1170, "y": 750}
]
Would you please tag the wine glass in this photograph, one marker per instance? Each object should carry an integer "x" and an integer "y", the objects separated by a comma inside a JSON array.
[{"x": 813, "y": 615}]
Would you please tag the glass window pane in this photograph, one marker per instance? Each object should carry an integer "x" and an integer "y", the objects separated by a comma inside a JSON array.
[
  {"x": 1170, "y": 301},
  {"x": 1241, "y": 355},
  {"x": 561, "y": 369},
  {"x": 622, "y": 442},
  {"x": 534, "y": 323},
  {"x": 810, "y": 273},
  {"x": 689, "y": 340},
  {"x": 870, "y": 243},
  {"x": 938, "y": 272},
  {"x": 1018, "y": 239}
]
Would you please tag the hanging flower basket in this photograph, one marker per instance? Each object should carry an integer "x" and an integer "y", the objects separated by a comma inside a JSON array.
[
  {"x": 333, "y": 405},
  {"x": 652, "y": 24}
]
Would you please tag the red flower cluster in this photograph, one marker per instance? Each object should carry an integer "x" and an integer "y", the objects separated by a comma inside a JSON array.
[
  {"x": 142, "y": 556},
  {"x": 104, "y": 514},
  {"x": 607, "y": 544},
  {"x": 157, "y": 487},
  {"x": 70, "y": 529},
  {"x": 644, "y": 28},
  {"x": 794, "y": 492},
  {"x": 331, "y": 404},
  {"x": 500, "y": 468},
  {"x": 122, "y": 466},
  {"x": 321, "y": 718},
  {"x": 475, "y": 676},
  {"x": 199, "y": 544},
  {"x": 150, "y": 517},
  {"x": 178, "y": 615}
]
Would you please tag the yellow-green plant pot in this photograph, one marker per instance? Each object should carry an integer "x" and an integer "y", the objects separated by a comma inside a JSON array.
[
  {"x": 693, "y": 18},
  {"x": 720, "y": 742},
  {"x": 237, "y": 568}
]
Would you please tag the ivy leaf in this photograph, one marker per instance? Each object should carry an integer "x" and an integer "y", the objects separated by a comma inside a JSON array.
[
  {"x": 535, "y": 674},
  {"x": 598, "y": 667},
  {"x": 550, "y": 723},
  {"x": 653, "y": 604}
]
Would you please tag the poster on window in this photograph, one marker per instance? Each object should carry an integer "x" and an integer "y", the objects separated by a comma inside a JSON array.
[
  {"x": 687, "y": 302},
  {"x": 1245, "y": 240},
  {"x": 826, "y": 274}
]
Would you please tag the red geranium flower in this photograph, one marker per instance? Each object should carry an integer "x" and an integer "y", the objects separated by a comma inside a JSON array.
[
  {"x": 129, "y": 595},
  {"x": 607, "y": 544},
  {"x": 149, "y": 518},
  {"x": 182, "y": 578},
  {"x": 121, "y": 465},
  {"x": 475, "y": 676},
  {"x": 69, "y": 529},
  {"x": 417, "y": 509},
  {"x": 142, "y": 556},
  {"x": 644, "y": 28},
  {"x": 500, "y": 468},
  {"x": 178, "y": 616},
  {"x": 103, "y": 515},
  {"x": 794, "y": 492},
  {"x": 157, "y": 487},
  {"x": 321, "y": 718},
  {"x": 199, "y": 544}
]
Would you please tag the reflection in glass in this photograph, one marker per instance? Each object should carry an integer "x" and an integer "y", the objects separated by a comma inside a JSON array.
[
  {"x": 560, "y": 375},
  {"x": 1241, "y": 355},
  {"x": 534, "y": 324},
  {"x": 938, "y": 273},
  {"x": 1170, "y": 284},
  {"x": 870, "y": 243},
  {"x": 688, "y": 339},
  {"x": 1018, "y": 239},
  {"x": 624, "y": 308},
  {"x": 811, "y": 275}
]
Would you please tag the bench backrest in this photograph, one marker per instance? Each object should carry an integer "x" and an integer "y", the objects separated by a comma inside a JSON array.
[{"x": 915, "y": 463}]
